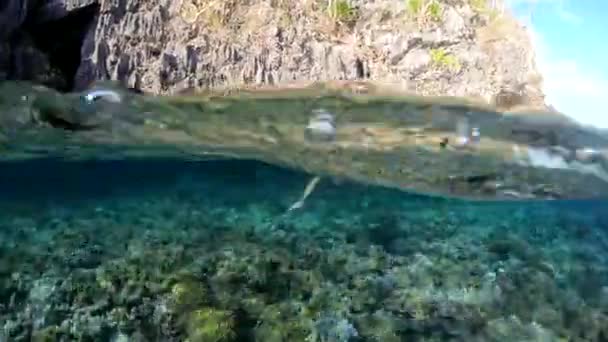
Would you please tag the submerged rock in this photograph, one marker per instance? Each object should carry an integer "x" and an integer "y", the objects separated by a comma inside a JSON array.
[
  {"x": 321, "y": 127},
  {"x": 332, "y": 329}
]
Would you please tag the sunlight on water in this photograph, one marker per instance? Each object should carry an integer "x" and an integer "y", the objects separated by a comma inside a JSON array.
[{"x": 296, "y": 239}]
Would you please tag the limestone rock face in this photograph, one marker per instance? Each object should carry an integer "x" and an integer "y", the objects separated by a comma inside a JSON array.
[{"x": 164, "y": 46}]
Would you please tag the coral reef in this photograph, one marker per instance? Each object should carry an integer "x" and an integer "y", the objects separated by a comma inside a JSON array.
[{"x": 186, "y": 259}]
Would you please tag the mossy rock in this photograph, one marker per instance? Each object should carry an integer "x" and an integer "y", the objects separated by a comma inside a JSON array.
[
  {"x": 188, "y": 293},
  {"x": 48, "y": 334},
  {"x": 210, "y": 325}
]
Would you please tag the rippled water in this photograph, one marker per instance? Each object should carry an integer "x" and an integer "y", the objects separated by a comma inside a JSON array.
[{"x": 165, "y": 249}]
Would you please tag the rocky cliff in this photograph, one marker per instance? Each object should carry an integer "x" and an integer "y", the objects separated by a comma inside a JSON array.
[{"x": 448, "y": 47}]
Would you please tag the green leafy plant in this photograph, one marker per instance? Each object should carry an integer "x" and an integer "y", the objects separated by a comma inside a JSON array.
[
  {"x": 434, "y": 11},
  {"x": 478, "y": 5},
  {"x": 442, "y": 59},
  {"x": 482, "y": 7},
  {"x": 424, "y": 10},
  {"x": 414, "y": 7},
  {"x": 342, "y": 11}
]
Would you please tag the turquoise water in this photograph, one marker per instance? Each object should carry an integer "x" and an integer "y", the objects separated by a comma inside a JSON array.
[{"x": 168, "y": 250}]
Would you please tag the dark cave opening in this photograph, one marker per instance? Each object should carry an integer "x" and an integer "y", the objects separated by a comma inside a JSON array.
[{"x": 61, "y": 40}]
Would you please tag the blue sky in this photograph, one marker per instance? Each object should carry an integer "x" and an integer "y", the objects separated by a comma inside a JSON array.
[{"x": 569, "y": 37}]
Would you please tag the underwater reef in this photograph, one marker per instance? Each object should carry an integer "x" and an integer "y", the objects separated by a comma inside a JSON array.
[{"x": 174, "y": 251}]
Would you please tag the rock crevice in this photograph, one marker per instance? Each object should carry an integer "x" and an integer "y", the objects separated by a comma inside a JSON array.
[{"x": 41, "y": 41}]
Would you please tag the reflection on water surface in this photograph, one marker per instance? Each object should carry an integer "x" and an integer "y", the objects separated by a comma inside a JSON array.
[{"x": 449, "y": 147}]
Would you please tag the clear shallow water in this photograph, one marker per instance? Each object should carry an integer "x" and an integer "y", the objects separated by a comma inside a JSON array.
[{"x": 167, "y": 250}]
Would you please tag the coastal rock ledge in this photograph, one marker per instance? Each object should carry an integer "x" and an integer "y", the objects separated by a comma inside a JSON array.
[{"x": 454, "y": 47}]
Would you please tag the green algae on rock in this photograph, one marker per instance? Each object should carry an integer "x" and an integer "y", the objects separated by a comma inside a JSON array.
[{"x": 209, "y": 324}]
